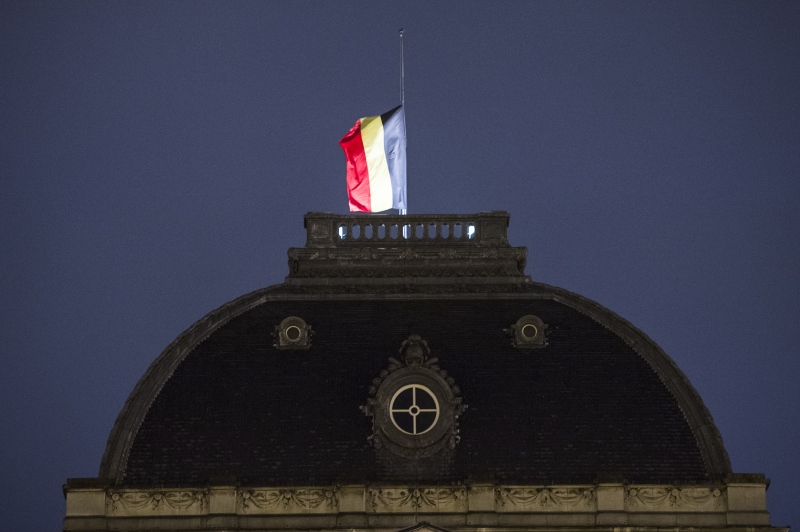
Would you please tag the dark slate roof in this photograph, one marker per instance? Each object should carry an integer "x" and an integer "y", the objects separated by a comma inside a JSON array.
[
  {"x": 586, "y": 406},
  {"x": 601, "y": 401}
]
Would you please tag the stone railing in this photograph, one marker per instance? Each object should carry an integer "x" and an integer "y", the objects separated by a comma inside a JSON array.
[
  {"x": 334, "y": 230},
  {"x": 459, "y": 249}
]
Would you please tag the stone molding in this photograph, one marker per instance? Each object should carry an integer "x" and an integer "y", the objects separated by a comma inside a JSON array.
[
  {"x": 417, "y": 500},
  {"x": 343, "y": 263},
  {"x": 600, "y": 503},
  {"x": 156, "y": 502},
  {"x": 546, "y": 499},
  {"x": 671, "y": 498},
  {"x": 288, "y": 500}
]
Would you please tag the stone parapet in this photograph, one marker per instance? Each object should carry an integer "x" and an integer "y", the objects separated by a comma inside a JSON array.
[
  {"x": 353, "y": 248},
  {"x": 596, "y": 506},
  {"x": 486, "y": 229}
]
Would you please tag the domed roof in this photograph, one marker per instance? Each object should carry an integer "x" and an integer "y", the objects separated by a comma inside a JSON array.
[{"x": 241, "y": 395}]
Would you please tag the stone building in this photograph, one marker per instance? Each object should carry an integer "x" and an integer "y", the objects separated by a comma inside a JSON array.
[{"x": 409, "y": 375}]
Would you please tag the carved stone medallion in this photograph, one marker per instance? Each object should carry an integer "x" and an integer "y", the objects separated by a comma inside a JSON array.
[{"x": 414, "y": 404}]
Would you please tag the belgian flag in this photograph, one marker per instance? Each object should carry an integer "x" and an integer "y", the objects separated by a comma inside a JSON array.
[{"x": 375, "y": 149}]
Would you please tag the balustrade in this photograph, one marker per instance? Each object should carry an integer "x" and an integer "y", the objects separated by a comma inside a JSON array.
[{"x": 326, "y": 230}]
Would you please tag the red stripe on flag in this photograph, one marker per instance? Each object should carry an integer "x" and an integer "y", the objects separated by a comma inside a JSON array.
[{"x": 357, "y": 170}]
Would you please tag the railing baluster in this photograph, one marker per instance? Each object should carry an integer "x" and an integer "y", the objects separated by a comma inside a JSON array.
[{"x": 396, "y": 229}]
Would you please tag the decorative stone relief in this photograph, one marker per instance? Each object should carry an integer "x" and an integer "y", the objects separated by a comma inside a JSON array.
[
  {"x": 545, "y": 499},
  {"x": 414, "y": 404},
  {"x": 417, "y": 499},
  {"x": 156, "y": 502},
  {"x": 289, "y": 500},
  {"x": 672, "y": 499}
]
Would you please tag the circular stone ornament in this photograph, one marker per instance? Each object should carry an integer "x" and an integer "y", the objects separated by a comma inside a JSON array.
[{"x": 416, "y": 405}]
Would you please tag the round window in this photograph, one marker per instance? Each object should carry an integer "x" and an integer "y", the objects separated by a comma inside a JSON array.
[
  {"x": 529, "y": 330},
  {"x": 414, "y": 409},
  {"x": 293, "y": 332}
]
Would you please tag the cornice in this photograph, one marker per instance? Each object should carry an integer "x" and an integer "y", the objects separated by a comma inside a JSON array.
[{"x": 727, "y": 505}]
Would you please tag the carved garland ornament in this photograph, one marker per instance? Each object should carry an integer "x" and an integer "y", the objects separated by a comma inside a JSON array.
[
  {"x": 658, "y": 498},
  {"x": 155, "y": 500},
  {"x": 418, "y": 499},
  {"x": 545, "y": 498},
  {"x": 289, "y": 499}
]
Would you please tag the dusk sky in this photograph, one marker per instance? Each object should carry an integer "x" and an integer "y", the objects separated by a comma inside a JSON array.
[{"x": 157, "y": 158}]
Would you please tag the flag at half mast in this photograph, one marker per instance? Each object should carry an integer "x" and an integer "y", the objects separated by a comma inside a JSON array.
[{"x": 375, "y": 149}]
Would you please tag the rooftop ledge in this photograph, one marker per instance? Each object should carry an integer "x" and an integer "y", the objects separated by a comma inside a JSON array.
[{"x": 359, "y": 248}]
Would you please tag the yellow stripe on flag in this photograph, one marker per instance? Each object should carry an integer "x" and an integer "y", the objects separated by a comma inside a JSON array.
[{"x": 380, "y": 183}]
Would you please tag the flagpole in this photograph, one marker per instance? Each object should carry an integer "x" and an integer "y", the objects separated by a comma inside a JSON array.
[
  {"x": 402, "y": 72},
  {"x": 403, "y": 103}
]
